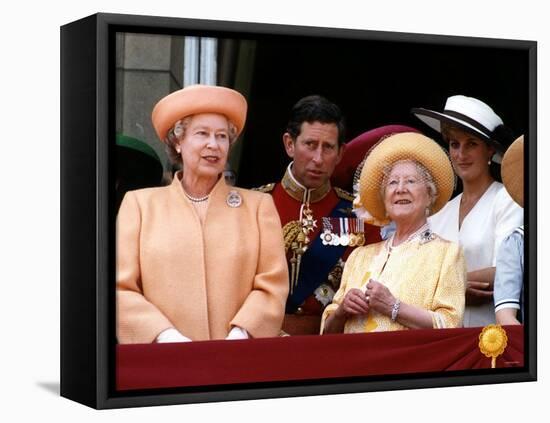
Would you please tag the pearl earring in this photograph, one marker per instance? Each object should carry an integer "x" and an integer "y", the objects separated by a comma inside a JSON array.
[{"x": 489, "y": 162}]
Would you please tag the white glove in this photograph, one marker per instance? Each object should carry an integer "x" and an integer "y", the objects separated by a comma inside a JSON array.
[
  {"x": 237, "y": 333},
  {"x": 171, "y": 335}
]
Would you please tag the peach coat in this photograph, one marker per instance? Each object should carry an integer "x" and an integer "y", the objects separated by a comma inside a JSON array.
[{"x": 173, "y": 272}]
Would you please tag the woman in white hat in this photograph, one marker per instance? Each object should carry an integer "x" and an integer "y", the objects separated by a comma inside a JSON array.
[
  {"x": 483, "y": 214},
  {"x": 509, "y": 266},
  {"x": 414, "y": 279},
  {"x": 198, "y": 259}
]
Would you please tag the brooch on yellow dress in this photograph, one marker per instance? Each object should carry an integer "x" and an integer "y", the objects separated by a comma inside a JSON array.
[{"x": 426, "y": 236}]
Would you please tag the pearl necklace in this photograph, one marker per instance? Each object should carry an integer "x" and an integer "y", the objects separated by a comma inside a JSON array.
[{"x": 197, "y": 200}]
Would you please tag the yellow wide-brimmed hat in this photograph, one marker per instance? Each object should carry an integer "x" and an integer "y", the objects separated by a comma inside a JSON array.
[
  {"x": 196, "y": 99},
  {"x": 512, "y": 170},
  {"x": 403, "y": 146}
]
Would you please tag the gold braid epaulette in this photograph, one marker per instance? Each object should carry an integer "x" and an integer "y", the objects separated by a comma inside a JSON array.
[
  {"x": 341, "y": 193},
  {"x": 265, "y": 188},
  {"x": 290, "y": 232}
]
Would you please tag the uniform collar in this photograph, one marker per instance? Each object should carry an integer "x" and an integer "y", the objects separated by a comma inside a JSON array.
[{"x": 299, "y": 192}]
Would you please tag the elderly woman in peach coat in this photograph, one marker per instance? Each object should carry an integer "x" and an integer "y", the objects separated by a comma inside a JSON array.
[{"x": 198, "y": 259}]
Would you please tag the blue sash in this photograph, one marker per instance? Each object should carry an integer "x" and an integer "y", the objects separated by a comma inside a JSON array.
[{"x": 316, "y": 264}]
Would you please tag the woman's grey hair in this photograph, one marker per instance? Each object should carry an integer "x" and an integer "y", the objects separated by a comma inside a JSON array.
[
  {"x": 177, "y": 133},
  {"x": 425, "y": 176}
]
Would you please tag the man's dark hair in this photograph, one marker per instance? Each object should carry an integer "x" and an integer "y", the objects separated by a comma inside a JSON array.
[{"x": 315, "y": 108}]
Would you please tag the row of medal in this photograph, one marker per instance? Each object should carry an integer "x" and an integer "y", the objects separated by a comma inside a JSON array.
[{"x": 344, "y": 231}]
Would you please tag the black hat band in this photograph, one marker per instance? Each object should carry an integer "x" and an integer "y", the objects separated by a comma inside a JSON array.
[{"x": 470, "y": 121}]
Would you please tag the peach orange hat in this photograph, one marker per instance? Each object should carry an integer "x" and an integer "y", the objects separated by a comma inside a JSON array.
[{"x": 195, "y": 99}]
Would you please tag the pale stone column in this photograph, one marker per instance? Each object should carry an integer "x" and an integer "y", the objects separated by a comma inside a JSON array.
[{"x": 148, "y": 68}]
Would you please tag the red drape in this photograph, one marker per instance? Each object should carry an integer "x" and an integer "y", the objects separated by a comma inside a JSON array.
[{"x": 307, "y": 357}]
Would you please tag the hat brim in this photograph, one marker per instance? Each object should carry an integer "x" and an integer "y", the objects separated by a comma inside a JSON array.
[
  {"x": 404, "y": 146},
  {"x": 512, "y": 170},
  {"x": 434, "y": 119},
  {"x": 138, "y": 165},
  {"x": 135, "y": 144},
  {"x": 356, "y": 151},
  {"x": 196, "y": 99}
]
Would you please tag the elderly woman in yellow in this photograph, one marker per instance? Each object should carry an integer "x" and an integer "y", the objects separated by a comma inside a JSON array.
[
  {"x": 197, "y": 259},
  {"x": 414, "y": 279}
]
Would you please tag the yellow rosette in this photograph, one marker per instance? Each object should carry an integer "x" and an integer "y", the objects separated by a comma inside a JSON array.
[{"x": 492, "y": 342}]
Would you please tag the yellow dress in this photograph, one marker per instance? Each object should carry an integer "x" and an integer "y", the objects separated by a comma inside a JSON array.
[{"x": 427, "y": 272}]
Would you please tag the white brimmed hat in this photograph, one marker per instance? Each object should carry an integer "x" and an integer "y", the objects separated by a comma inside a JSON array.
[{"x": 471, "y": 115}]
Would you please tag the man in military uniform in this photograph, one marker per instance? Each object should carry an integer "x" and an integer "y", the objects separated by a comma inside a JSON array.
[{"x": 319, "y": 227}]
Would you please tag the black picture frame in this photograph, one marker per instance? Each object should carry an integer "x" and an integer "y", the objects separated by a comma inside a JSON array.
[{"x": 88, "y": 355}]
